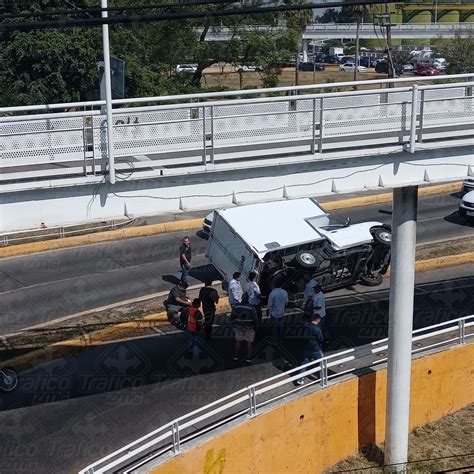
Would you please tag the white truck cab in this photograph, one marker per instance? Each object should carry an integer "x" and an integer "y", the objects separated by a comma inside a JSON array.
[{"x": 290, "y": 242}]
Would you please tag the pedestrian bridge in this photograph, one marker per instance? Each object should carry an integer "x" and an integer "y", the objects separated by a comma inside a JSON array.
[
  {"x": 327, "y": 31},
  {"x": 200, "y": 151}
]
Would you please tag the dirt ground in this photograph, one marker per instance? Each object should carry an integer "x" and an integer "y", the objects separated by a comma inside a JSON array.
[
  {"x": 229, "y": 78},
  {"x": 446, "y": 445}
]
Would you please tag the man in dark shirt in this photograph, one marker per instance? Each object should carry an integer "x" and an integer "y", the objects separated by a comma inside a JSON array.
[
  {"x": 209, "y": 298},
  {"x": 314, "y": 346},
  {"x": 245, "y": 324},
  {"x": 185, "y": 259},
  {"x": 177, "y": 300}
]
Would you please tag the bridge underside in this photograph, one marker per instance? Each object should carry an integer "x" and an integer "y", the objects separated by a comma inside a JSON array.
[{"x": 280, "y": 178}]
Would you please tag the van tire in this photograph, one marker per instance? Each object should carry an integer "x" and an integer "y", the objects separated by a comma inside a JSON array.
[
  {"x": 382, "y": 236},
  {"x": 371, "y": 279},
  {"x": 306, "y": 259}
]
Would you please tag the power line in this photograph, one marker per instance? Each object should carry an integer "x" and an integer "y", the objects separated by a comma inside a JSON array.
[
  {"x": 127, "y": 20},
  {"x": 125, "y": 8}
]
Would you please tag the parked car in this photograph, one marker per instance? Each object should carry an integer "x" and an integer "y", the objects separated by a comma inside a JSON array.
[
  {"x": 207, "y": 224},
  {"x": 423, "y": 69},
  {"x": 319, "y": 57},
  {"x": 466, "y": 205},
  {"x": 467, "y": 186},
  {"x": 347, "y": 59},
  {"x": 289, "y": 242},
  {"x": 330, "y": 59},
  {"x": 440, "y": 64},
  {"x": 367, "y": 62},
  {"x": 310, "y": 67},
  {"x": 191, "y": 68},
  {"x": 408, "y": 67},
  {"x": 351, "y": 66},
  {"x": 382, "y": 68},
  {"x": 248, "y": 68}
]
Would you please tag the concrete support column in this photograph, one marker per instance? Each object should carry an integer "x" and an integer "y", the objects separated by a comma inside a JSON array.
[{"x": 402, "y": 289}]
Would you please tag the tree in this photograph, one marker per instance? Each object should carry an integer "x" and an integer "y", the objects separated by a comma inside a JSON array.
[{"x": 459, "y": 53}]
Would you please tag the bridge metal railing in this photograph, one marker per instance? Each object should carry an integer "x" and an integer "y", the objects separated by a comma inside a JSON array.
[
  {"x": 202, "y": 129},
  {"x": 250, "y": 401}
]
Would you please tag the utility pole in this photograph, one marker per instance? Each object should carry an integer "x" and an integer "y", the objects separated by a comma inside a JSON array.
[{"x": 385, "y": 22}]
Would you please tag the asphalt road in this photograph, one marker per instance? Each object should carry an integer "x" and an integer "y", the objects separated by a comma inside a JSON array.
[
  {"x": 71, "y": 411},
  {"x": 41, "y": 287}
]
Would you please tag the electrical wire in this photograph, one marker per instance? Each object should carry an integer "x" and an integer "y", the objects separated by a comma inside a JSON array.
[
  {"x": 125, "y": 8},
  {"x": 128, "y": 20}
]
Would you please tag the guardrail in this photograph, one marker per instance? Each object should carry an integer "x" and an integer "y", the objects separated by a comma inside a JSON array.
[
  {"x": 249, "y": 401},
  {"x": 204, "y": 131}
]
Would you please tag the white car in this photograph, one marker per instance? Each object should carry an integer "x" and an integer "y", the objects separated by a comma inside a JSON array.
[
  {"x": 207, "y": 223},
  {"x": 351, "y": 66},
  {"x": 191, "y": 68},
  {"x": 466, "y": 206},
  {"x": 247, "y": 69},
  {"x": 467, "y": 186}
]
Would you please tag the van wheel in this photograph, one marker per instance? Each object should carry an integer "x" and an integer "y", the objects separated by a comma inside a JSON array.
[
  {"x": 371, "y": 279},
  {"x": 306, "y": 259},
  {"x": 382, "y": 236}
]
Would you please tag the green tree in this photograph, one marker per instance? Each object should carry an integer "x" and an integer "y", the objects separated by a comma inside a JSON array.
[{"x": 459, "y": 53}]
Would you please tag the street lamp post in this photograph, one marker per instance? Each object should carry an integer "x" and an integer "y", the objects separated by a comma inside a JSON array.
[{"x": 108, "y": 95}]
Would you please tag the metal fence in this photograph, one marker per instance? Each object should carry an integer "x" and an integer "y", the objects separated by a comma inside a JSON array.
[
  {"x": 250, "y": 401},
  {"x": 204, "y": 130}
]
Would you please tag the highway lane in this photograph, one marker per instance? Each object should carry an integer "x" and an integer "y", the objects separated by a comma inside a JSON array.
[
  {"x": 68, "y": 412},
  {"x": 38, "y": 288}
]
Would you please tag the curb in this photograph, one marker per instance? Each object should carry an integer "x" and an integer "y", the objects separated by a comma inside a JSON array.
[
  {"x": 58, "y": 349},
  {"x": 142, "y": 231},
  {"x": 190, "y": 224}
]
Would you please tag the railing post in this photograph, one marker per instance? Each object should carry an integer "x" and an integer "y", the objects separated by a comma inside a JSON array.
[
  {"x": 176, "y": 437},
  {"x": 414, "y": 102},
  {"x": 422, "y": 116},
  {"x": 313, "y": 143},
  {"x": 324, "y": 372},
  {"x": 212, "y": 133},
  {"x": 204, "y": 135},
  {"x": 462, "y": 331},
  {"x": 321, "y": 124},
  {"x": 252, "y": 401}
]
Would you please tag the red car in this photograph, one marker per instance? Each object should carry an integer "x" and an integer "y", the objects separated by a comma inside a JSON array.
[{"x": 426, "y": 70}]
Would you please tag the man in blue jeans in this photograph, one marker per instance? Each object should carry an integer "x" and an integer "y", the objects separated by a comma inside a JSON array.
[
  {"x": 314, "y": 346},
  {"x": 277, "y": 301},
  {"x": 185, "y": 259}
]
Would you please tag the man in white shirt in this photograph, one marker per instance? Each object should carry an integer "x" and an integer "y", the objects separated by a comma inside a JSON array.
[
  {"x": 235, "y": 290},
  {"x": 253, "y": 290},
  {"x": 277, "y": 301}
]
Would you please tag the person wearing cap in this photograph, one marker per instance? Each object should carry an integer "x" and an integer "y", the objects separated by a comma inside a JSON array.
[
  {"x": 235, "y": 290},
  {"x": 176, "y": 302},
  {"x": 255, "y": 296},
  {"x": 314, "y": 347}
]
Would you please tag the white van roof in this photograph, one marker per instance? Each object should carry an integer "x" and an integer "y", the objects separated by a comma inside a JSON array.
[{"x": 275, "y": 225}]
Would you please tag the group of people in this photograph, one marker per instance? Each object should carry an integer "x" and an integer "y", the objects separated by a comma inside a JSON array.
[{"x": 245, "y": 300}]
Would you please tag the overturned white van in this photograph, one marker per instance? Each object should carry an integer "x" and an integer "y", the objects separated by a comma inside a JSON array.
[{"x": 290, "y": 242}]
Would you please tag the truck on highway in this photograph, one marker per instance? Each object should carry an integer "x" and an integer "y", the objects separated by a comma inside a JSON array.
[{"x": 291, "y": 242}]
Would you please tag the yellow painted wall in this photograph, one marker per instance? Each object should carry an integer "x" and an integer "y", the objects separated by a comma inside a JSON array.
[{"x": 314, "y": 432}]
